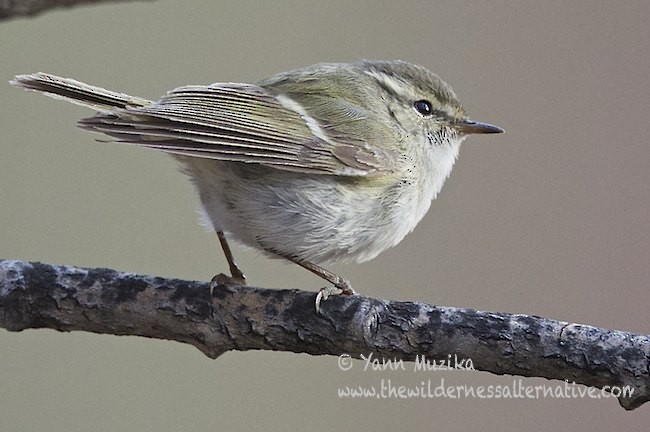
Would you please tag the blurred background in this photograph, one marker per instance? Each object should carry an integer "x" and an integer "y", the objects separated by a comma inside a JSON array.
[{"x": 549, "y": 219}]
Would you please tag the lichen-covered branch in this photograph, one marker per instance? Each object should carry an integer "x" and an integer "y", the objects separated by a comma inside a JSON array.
[
  {"x": 36, "y": 295},
  {"x": 25, "y": 8}
]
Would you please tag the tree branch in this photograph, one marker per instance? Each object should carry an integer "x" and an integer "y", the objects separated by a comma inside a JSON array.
[
  {"x": 64, "y": 298},
  {"x": 24, "y": 8}
]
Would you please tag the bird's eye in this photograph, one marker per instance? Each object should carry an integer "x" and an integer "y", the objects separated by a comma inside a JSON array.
[{"x": 424, "y": 107}]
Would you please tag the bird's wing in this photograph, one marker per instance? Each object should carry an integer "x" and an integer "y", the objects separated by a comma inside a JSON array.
[{"x": 245, "y": 123}]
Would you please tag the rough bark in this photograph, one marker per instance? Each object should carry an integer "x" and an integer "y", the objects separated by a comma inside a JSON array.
[
  {"x": 25, "y": 8},
  {"x": 65, "y": 298}
]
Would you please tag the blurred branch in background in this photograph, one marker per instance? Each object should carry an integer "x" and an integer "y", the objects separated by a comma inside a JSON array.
[
  {"x": 65, "y": 298},
  {"x": 25, "y": 8}
]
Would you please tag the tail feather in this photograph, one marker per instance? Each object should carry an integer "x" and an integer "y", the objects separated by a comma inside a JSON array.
[{"x": 79, "y": 93}]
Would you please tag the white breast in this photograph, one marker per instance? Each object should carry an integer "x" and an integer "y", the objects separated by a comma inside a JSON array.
[{"x": 416, "y": 196}]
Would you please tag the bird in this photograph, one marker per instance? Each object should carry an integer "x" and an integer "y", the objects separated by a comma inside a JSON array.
[{"x": 329, "y": 163}]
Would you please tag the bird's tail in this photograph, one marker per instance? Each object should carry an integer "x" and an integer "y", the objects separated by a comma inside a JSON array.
[{"x": 74, "y": 91}]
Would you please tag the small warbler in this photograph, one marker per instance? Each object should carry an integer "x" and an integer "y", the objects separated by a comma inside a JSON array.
[{"x": 328, "y": 163}]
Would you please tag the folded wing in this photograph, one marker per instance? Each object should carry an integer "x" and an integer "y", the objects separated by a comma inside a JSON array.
[{"x": 242, "y": 123}]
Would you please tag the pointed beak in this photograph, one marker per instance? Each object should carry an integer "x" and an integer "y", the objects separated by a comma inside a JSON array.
[{"x": 468, "y": 127}]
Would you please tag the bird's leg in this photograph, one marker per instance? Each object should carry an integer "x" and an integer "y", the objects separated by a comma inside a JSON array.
[
  {"x": 341, "y": 286},
  {"x": 234, "y": 270},
  {"x": 236, "y": 276}
]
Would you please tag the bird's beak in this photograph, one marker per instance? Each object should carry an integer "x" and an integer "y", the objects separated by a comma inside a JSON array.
[{"x": 467, "y": 126}]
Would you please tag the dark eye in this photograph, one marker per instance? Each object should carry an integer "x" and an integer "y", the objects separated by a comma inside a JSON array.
[{"x": 424, "y": 107}]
